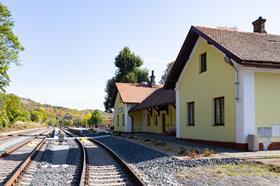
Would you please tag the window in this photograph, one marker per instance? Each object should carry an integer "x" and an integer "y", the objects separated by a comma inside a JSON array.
[
  {"x": 118, "y": 120},
  {"x": 149, "y": 119},
  {"x": 190, "y": 113},
  {"x": 203, "y": 64},
  {"x": 123, "y": 119},
  {"x": 219, "y": 106}
]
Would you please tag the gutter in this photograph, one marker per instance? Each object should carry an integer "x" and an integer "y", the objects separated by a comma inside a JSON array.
[{"x": 235, "y": 66}]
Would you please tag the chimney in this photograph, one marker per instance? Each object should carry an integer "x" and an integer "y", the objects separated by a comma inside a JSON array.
[
  {"x": 259, "y": 25},
  {"x": 152, "y": 80}
]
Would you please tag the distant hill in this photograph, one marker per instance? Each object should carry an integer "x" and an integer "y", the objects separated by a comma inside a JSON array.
[{"x": 59, "y": 113}]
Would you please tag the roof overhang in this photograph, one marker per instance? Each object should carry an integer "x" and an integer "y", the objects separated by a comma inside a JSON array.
[{"x": 187, "y": 48}]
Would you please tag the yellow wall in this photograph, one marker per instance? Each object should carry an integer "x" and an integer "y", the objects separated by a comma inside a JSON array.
[
  {"x": 156, "y": 128},
  {"x": 140, "y": 120},
  {"x": 119, "y": 110},
  {"x": 202, "y": 88},
  {"x": 171, "y": 117},
  {"x": 267, "y": 96}
]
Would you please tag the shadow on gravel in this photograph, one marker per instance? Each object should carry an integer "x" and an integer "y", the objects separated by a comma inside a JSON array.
[
  {"x": 16, "y": 157},
  {"x": 70, "y": 157},
  {"x": 58, "y": 157},
  {"x": 131, "y": 152}
]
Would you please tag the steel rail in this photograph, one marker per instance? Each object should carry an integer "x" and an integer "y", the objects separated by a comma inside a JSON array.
[
  {"x": 24, "y": 165},
  {"x": 137, "y": 179},
  {"x": 84, "y": 176},
  {"x": 20, "y": 144}
]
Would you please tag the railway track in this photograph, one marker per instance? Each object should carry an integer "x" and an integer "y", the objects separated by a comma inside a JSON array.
[
  {"x": 102, "y": 166},
  {"x": 6, "y": 137},
  {"x": 12, "y": 143},
  {"x": 37, "y": 166},
  {"x": 14, "y": 161}
]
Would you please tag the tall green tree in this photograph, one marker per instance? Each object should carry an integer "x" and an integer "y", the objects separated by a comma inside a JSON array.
[
  {"x": 128, "y": 71},
  {"x": 166, "y": 72},
  {"x": 9, "y": 45}
]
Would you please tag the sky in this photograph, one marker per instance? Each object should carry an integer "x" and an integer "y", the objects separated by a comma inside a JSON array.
[{"x": 70, "y": 45}]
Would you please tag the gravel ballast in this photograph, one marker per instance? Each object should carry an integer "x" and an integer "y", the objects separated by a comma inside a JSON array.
[
  {"x": 58, "y": 165},
  {"x": 160, "y": 168}
]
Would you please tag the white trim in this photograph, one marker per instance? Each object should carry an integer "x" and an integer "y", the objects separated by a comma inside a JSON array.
[
  {"x": 198, "y": 41},
  {"x": 178, "y": 125},
  {"x": 245, "y": 107},
  {"x": 255, "y": 69},
  {"x": 128, "y": 126}
]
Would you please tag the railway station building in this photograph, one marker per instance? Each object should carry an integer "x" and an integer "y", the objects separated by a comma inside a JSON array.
[
  {"x": 144, "y": 108},
  {"x": 223, "y": 87}
]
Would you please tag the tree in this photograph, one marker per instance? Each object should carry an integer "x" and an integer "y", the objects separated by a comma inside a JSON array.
[
  {"x": 14, "y": 109},
  {"x": 43, "y": 114},
  {"x": 35, "y": 116},
  {"x": 166, "y": 72},
  {"x": 4, "y": 120},
  {"x": 109, "y": 102},
  {"x": 39, "y": 115},
  {"x": 9, "y": 45},
  {"x": 128, "y": 71},
  {"x": 86, "y": 119},
  {"x": 96, "y": 118}
]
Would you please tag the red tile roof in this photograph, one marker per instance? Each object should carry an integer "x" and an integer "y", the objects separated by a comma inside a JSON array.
[
  {"x": 246, "y": 48},
  {"x": 159, "y": 97},
  {"x": 135, "y": 93}
]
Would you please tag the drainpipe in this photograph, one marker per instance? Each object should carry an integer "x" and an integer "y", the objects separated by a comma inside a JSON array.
[{"x": 234, "y": 65}]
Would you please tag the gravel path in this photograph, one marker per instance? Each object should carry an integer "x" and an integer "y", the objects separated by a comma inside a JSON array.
[
  {"x": 58, "y": 165},
  {"x": 160, "y": 168}
]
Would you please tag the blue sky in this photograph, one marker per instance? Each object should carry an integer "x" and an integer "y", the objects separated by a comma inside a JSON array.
[{"x": 70, "y": 45}]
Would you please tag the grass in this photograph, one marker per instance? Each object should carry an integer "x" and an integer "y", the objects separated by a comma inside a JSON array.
[
  {"x": 207, "y": 152},
  {"x": 22, "y": 126},
  {"x": 270, "y": 157},
  {"x": 248, "y": 169}
]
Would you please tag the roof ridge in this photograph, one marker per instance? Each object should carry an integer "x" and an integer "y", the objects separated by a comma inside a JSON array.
[{"x": 238, "y": 31}]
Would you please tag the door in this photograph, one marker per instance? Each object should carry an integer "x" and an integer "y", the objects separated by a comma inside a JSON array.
[{"x": 163, "y": 120}]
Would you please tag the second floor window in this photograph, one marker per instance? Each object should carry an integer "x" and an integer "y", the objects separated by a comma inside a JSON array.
[
  {"x": 123, "y": 119},
  {"x": 203, "y": 62}
]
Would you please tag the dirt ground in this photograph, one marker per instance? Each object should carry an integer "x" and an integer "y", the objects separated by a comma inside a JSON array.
[
  {"x": 245, "y": 174},
  {"x": 262, "y": 168}
]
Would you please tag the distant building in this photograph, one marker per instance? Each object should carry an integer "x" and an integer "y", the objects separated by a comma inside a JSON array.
[{"x": 143, "y": 107}]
